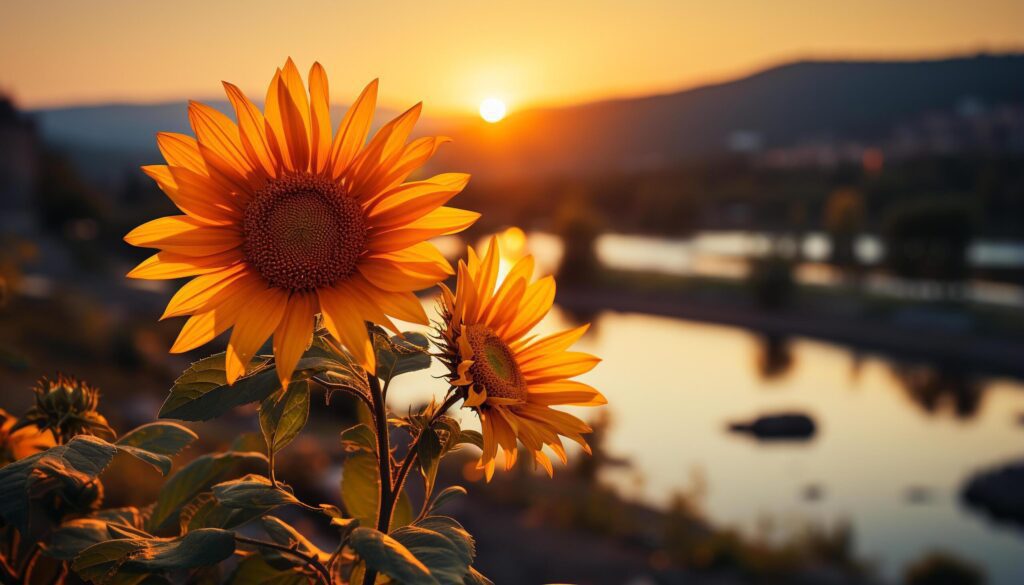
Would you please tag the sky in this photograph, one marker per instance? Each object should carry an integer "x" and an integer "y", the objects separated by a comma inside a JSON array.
[{"x": 453, "y": 54}]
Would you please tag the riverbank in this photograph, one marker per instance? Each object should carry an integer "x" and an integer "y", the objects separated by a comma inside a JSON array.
[{"x": 964, "y": 336}]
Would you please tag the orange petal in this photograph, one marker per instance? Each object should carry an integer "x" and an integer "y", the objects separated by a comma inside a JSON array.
[
  {"x": 180, "y": 150},
  {"x": 320, "y": 112},
  {"x": 346, "y": 325},
  {"x": 536, "y": 303},
  {"x": 253, "y": 130},
  {"x": 566, "y": 392},
  {"x": 184, "y": 235},
  {"x": 293, "y": 334},
  {"x": 220, "y": 144},
  {"x": 549, "y": 344},
  {"x": 168, "y": 265},
  {"x": 294, "y": 127},
  {"x": 202, "y": 198},
  {"x": 197, "y": 294},
  {"x": 442, "y": 221},
  {"x": 353, "y": 130},
  {"x": 387, "y": 141},
  {"x": 395, "y": 277},
  {"x": 413, "y": 156},
  {"x": 221, "y": 314},
  {"x": 411, "y": 201},
  {"x": 400, "y": 305},
  {"x": 259, "y": 318},
  {"x": 558, "y": 366}
]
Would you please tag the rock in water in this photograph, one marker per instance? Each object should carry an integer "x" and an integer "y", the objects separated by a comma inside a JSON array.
[{"x": 778, "y": 427}]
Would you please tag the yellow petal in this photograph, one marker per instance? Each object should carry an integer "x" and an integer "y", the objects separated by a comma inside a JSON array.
[
  {"x": 565, "y": 392},
  {"x": 535, "y": 304},
  {"x": 550, "y": 344},
  {"x": 222, "y": 313},
  {"x": 295, "y": 127},
  {"x": 388, "y": 140}
]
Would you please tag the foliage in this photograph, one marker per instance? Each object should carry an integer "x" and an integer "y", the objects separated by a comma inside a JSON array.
[{"x": 209, "y": 508}]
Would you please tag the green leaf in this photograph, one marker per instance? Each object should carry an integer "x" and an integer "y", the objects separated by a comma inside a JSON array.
[
  {"x": 283, "y": 414},
  {"x": 162, "y": 463},
  {"x": 161, "y": 437},
  {"x": 253, "y": 491},
  {"x": 196, "y": 477},
  {"x": 360, "y": 490},
  {"x": 75, "y": 536},
  {"x": 388, "y": 556},
  {"x": 202, "y": 392},
  {"x": 443, "y": 497},
  {"x": 472, "y": 438},
  {"x": 398, "y": 355},
  {"x": 280, "y": 532},
  {"x": 359, "y": 438},
  {"x": 441, "y": 544},
  {"x": 254, "y": 570},
  {"x": 67, "y": 469},
  {"x": 206, "y": 512},
  {"x": 200, "y": 548}
]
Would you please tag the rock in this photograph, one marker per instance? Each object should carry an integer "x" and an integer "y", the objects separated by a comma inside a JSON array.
[
  {"x": 998, "y": 492},
  {"x": 778, "y": 427}
]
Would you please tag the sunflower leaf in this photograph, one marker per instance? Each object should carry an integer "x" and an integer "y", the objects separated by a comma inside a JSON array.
[
  {"x": 441, "y": 544},
  {"x": 283, "y": 414},
  {"x": 195, "y": 478},
  {"x": 201, "y": 548},
  {"x": 390, "y": 557},
  {"x": 202, "y": 391},
  {"x": 446, "y": 494},
  {"x": 398, "y": 355},
  {"x": 160, "y": 437},
  {"x": 255, "y": 570},
  {"x": 253, "y": 491},
  {"x": 360, "y": 490}
]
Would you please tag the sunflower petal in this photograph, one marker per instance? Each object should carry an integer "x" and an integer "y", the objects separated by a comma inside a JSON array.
[
  {"x": 184, "y": 235},
  {"x": 293, "y": 334},
  {"x": 346, "y": 325},
  {"x": 320, "y": 122},
  {"x": 353, "y": 130},
  {"x": 201, "y": 291},
  {"x": 440, "y": 222},
  {"x": 168, "y": 265},
  {"x": 256, "y": 322},
  {"x": 411, "y": 201},
  {"x": 253, "y": 131}
]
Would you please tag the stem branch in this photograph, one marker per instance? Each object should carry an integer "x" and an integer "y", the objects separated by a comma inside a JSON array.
[{"x": 310, "y": 560}]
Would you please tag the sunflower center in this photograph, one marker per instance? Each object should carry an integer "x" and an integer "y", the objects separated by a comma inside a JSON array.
[
  {"x": 303, "y": 232},
  {"x": 494, "y": 365}
]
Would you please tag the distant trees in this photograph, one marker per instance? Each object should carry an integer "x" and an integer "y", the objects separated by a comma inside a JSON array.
[{"x": 928, "y": 239}]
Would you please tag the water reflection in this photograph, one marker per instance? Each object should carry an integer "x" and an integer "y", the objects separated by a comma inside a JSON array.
[
  {"x": 673, "y": 385},
  {"x": 941, "y": 389},
  {"x": 774, "y": 357}
]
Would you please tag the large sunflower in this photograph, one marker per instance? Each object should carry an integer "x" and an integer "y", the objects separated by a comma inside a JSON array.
[
  {"x": 284, "y": 219},
  {"x": 510, "y": 379}
]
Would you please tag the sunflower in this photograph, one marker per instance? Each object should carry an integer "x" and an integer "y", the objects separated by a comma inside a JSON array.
[
  {"x": 283, "y": 219},
  {"x": 511, "y": 380}
]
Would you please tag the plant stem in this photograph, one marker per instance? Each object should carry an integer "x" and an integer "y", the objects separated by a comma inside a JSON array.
[
  {"x": 270, "y": 464},
  {"x": 310, "y": 560},
  {"x": 411, "y": 455},
  {"x": 343, "y": 388},
  {"x": 386, "y": 497}
]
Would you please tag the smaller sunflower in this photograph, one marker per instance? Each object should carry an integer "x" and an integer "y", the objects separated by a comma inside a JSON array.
[{"x": 509, "y": 379}]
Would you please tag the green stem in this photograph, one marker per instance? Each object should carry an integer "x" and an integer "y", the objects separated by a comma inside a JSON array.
[
  {"x": 310, "y": 560},
  {"x": 411, "y": 455}
]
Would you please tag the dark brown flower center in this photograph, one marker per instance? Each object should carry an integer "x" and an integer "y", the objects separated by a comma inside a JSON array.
[
  {"x": 303, "y": 232},
  {"x": 494, "y": 366}
]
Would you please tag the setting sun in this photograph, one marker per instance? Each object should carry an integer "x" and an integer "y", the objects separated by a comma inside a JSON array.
[{"x": 492, "y": 110}]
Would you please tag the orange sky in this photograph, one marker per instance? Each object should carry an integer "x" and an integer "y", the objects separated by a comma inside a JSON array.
[{"x": 453, "y": 54}]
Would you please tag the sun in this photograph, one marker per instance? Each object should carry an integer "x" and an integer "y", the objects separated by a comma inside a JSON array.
[{"x": 492, "y": 109}]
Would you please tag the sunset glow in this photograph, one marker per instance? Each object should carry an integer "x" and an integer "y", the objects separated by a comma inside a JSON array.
[{"x": 492, "y": 110}]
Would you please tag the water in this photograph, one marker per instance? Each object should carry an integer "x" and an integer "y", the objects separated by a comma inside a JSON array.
[{"x": 673, "y": 386}]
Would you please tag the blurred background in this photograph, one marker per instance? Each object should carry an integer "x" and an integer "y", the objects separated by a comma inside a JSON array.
[{"x": 798, "y": 229}]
